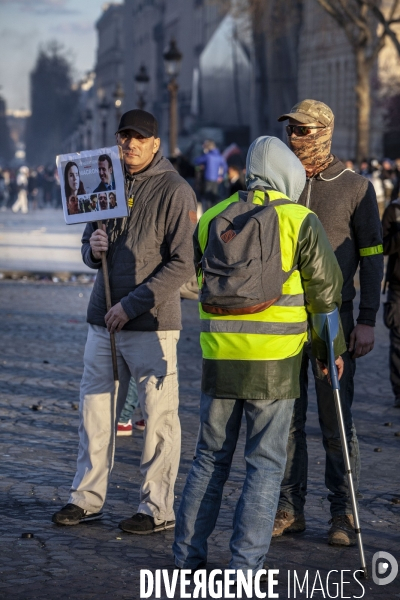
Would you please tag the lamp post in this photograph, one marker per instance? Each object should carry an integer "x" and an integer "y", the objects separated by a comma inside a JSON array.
[
  {"x": 119, "y": 96},
  {"x": 172, "y": 61},
  {"x": 89, "y": 117},
  {"x": 81, "y": 131},
  {"x": 104, "y": 107},
  {"x": 142, "y": 81}
]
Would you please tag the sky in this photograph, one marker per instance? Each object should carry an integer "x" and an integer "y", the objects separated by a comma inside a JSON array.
[{"x": 25, "y": 25}]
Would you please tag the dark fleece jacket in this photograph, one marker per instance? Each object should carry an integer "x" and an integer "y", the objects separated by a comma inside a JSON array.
[
  {"x": 150, "y": 252},
  {"x": 391, "y": 243},
  {"x": 345, "y": 203}
]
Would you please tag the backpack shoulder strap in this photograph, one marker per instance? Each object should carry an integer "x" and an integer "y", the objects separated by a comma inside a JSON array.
[
  {"x": 209, "y": 215},
  {"x": 246, "y": 196}
]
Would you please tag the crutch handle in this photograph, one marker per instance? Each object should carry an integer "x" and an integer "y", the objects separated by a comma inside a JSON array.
[{"x": 326, "y": 326}]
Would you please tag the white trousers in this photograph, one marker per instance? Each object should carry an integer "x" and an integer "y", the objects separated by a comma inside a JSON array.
[
  {"x": 150, "y": 357},
  {"x": 21, "y": 202}
]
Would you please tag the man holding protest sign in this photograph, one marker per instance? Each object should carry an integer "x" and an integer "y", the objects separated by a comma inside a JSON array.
[{"x": 149, "y": 256}]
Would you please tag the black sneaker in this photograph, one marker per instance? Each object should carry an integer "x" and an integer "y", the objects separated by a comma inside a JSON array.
[
  {"x": 144, "y": 524},
  {"x": 71, "y": 514}
]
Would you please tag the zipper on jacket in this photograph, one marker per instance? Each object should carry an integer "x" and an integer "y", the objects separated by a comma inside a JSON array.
[{"x": 309, "y": 193}]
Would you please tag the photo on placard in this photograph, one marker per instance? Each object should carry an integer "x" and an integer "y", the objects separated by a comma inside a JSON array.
[
  {"x": 112, "y": 200},
  {"x": 106, "y": 174},
  {"x": 102, "y": 201},
  {"x": 92, "y": 185}
]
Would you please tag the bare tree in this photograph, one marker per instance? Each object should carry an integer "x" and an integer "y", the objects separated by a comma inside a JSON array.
[
  {"x": 54, "y": 104},
  {"x": 367, "y": 25}
]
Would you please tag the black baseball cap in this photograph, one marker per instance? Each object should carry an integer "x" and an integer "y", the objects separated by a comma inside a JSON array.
[{"x": 139, "y": 120}]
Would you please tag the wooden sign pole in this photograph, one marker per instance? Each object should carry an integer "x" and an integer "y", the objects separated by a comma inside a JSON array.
[{"x": 108, "y": 304}]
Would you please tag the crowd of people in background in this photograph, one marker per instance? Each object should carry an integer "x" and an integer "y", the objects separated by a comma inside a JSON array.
[
  {"x": 384, "y": 176},
  {"x": 214, "y": 175},
  {"x": 39, "y": 185}
]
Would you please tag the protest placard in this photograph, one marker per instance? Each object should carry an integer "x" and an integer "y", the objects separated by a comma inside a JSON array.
[{"x": 92, "y": 185}]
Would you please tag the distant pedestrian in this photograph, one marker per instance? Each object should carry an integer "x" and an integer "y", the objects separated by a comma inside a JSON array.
[
  {"x": 22, "y": 183},
  {"x": 33, "y": 189},
  {"x": 396, "y": 187},
  {"x": 49, "y": 186},
  {"x": 215, "y": 168},
  {"x": 388, "y": 176},
  {"x": 3, "y": 200},
  {"x": 376, "y": 180},
  {"x": 364, "y": 169},
  {"x": 125, "y": 425},
  {"x": 236, "y": 179}
]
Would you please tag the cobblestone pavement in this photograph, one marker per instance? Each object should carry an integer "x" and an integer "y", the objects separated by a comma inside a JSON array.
[{"x": 43, "y": 332}]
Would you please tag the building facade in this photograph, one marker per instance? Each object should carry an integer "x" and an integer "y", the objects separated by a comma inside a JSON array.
[
  {"x": 150, "y": 25},
  {"x": 108, "y": 101},
  {"x": 239, "y": 71},
  {"x": 327, "y": 72}
]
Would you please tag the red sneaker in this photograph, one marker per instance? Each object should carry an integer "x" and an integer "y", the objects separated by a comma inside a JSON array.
[
  {"x": 124, "y": 428},
  {"x": 141, "y": 425}
]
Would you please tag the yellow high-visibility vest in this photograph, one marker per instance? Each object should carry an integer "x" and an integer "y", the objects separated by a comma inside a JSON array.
[{"x": 280, "y": 331}]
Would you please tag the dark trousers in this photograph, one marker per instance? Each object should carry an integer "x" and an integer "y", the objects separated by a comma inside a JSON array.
[
  {"x": 211, "y": 194},
  {"x": 294, "y": 484},
  {"x": 392, "y": 321}
]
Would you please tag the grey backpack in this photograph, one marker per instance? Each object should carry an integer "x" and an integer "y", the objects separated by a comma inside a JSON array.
[{"x": 241, "y": 264}]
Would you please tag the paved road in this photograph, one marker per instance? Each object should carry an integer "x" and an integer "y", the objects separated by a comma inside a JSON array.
[
  {"x": 40, "y": 241},
  {"x": 43, "y": 332}
]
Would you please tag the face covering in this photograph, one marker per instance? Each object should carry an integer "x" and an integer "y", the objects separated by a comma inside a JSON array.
[{"x": 313, "y": 150}]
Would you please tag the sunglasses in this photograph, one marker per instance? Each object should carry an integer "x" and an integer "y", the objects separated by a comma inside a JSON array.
[{"x": 301, "y": 130}]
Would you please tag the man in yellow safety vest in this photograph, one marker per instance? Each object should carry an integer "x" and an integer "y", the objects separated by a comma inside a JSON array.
[{"x": 252, "y": 359}]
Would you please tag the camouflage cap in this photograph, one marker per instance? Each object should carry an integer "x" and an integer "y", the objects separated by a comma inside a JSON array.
[{"x": 309, "y": 111}]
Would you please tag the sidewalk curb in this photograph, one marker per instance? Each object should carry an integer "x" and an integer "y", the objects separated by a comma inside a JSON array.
[{"x": 51, "y": 276}]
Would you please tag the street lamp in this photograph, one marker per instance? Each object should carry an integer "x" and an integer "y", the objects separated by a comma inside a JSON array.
[
  {"x": 142, "y": 81},
  {"x": 172, "y": 62},
  {"x": 119, "y": 96},
  {"x": 81, "y": 131},
  {"x": 89, "y": 117},
  {"x": 104, "y": 107}
]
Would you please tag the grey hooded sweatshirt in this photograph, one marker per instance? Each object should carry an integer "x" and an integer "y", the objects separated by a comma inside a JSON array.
[
  {"x": 150, "y": 251},
  {"x": 269, "y": 165},
  {"x": 272, "y": 166}
]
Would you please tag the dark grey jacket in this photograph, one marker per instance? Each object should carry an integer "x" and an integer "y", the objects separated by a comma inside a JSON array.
[
  {"x": 345, "y": 203},
  {"x": 150, "y": 252},
  {"x": 391, "y": 243}
]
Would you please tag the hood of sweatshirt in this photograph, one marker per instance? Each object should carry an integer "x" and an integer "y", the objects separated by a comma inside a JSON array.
[{"x": 272, "y": 165}]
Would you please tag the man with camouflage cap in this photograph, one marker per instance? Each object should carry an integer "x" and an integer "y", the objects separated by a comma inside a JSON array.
[{"x": 346, "y": 205}]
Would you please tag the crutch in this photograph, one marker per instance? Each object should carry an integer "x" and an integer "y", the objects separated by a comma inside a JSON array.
[{"x": 327, "y": 327}]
